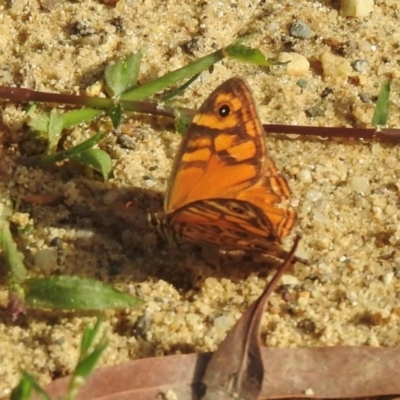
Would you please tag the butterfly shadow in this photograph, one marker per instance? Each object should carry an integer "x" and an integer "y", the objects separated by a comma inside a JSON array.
[{"x": 126, "y": 219}]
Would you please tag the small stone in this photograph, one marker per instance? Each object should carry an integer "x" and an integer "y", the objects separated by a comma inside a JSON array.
[
  {"x": 149, "y": 181},
  {"x": 360, "y": 65},
  {"x": 303, "y": 83},
  {"x": 364, "y": 97},
  {"x": 272, "y": 28},
  {"x": 305, "y": 176},
  {"x": 335, "y": 66},
  {"x": 359, "y": 80},
  {"x": 289, "y": 280},
  {"x": 315, "y": 111},
  {"x": 388, "y": 278},
  {"x": 191, "y": 46},
  {"x": 56, "y": 242},
  {"x": 45, "y": 258},
  {"x": 297, "y": 64},
  {"x": 110, "y": 197},
  {"x": 126, "y": 142},
  {"x": 320, "y": 217},
  {"x": 223, "y": 322},
  {"x": 84, "y": 234},
  {"x": 360, "y": 184},
  {"x": 313, "y": 195},
  {"x": 301, "y": 30},
  {"x": 356, "y": 8}
]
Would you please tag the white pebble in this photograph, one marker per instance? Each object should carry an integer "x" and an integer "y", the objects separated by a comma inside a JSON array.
[
  {"x": 360, "y": 184},
  {"x": 223, "y": 322},
  {"x": 289, "y": 280},
  {"x": 298, "y": 65},
  {"x": 313, "y": 195},
  {"x": 388, "y": 278},
  {"x": 319, "y": 217},
  {"x": 272, "y": 28},
  {"x": 84, "y": 234},
  {"x": 356, "y": 8},
  {"x": 305, "y": 176}
]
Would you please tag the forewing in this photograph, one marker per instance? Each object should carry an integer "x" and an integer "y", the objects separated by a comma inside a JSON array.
[{"x": 221, "y": 154}]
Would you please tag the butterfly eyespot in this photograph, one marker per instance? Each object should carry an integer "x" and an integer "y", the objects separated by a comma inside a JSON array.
[{"x": 224, "y": 111}]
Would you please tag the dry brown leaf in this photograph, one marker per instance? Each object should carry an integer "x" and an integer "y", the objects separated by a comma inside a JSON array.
[
  {"x": 236, "y": 368},
  {"x": 328, "y": 372}
]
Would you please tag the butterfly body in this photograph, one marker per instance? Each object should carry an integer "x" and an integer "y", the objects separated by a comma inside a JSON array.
[{"x": 224, "y": 190}]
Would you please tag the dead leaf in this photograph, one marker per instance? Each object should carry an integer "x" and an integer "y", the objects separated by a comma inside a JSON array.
[{"x": 236, "y": 368}]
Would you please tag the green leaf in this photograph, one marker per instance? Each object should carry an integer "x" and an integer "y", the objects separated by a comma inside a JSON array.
[
  {"x": 88, "y": 337},
  {"x": 13, "y": 257},
  {"x": 54, "y": 130},
  {"x": 97, "y": 159},
  {"x": 25, "y": 387},
  {"x": 75, "y": 117},
  {"x": 72, "y": 293},
  {"x": 123, "y": 75},
  {"x": 240, "y": 52},
  {"x": 116, "y": 115},
  {"x": 381, "y": 112},
  {"x": 88, "y": 358},
  {"x": 40, "y": 123},
  {"x": 179, "y": 90},
  {"x": 86, "y": 145},
  {"x": 87, "y": 364},
  {"x": 170, "y": 79}
]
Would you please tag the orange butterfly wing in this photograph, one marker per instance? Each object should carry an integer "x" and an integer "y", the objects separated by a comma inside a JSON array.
[{"x": 222, "y": 166}]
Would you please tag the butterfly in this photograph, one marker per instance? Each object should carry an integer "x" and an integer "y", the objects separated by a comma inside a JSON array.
[{"x": 224, "y": 190}]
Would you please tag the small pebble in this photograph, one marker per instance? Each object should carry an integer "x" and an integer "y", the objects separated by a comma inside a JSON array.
[
  {"x": 388, "y": 278},
  {"x": 149, "y": 181},
  {"x": 356, "y": 8},
  {"x": 223, "y": 322},
  {"x": 303, "y": 83},
  {"x": 297, "y": 64},
  {"x": 313, "y": 195},
  {"x": 84, "y": 234},
  {"x": 300, "y": 29},
  {"x": 305, "y": 176},
  {"x": 45, "y": 258},
  {"x": 315, "y": 111},
  {"x": 364, "y": 97},
  {"x": 126, "y": 142},
  {"x": 56, "y": 242},
  {"x": 110, "y": 197},
  {"x": 289, "y": 280},
  {"x": 272, "y": 28},
  {"x": 360, "y": 184},
  {"x": 320, "y": 217},
  {"x": 335, "y": 66},
  {"x": 360, "y": 65}
]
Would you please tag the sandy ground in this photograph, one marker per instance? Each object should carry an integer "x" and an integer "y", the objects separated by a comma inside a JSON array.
[{"x": 346, "y": 192}]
